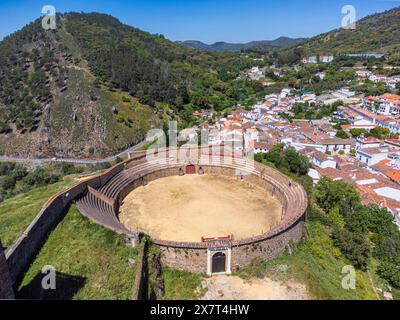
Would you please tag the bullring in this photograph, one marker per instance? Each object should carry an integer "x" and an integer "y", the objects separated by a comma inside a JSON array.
[{"x": 219, "y": 253}]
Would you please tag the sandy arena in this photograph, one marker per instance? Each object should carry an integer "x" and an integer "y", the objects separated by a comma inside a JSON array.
[{"x": 186, "y": 208}]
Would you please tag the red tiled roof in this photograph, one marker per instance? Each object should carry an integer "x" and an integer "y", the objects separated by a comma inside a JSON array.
[{"x": 394, "y": 175}]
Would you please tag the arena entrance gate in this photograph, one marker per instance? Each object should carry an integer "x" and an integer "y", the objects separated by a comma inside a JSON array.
[
  {"x": 190, "y": 169},
  {"x": 218, "y": 263},
  {"x": 219, "y": 255}
]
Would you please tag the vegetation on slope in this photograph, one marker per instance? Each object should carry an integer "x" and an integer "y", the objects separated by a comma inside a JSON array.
[
  {"x": 16, "y": 179},
  {"x": 94, "y": 85},
  {"x": 91, "y": 263},
  {"x": 17, "y": 213},
  {"x": 154, "y": 69},
  {"x": 181, "y": 285},
  {"x": 317, "y": 263},
  {"x": 378, "y": 33},
  {"x": 50, "y": 102},
  {"x": 262, "y": 46}
]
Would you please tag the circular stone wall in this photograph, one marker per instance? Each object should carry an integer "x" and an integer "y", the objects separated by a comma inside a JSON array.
[
  {"x": 101, "y": 202},
  {"x": 187, "y": 208}
]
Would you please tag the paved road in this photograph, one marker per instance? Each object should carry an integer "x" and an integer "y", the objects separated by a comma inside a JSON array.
[{"x": 72, "y": 160}]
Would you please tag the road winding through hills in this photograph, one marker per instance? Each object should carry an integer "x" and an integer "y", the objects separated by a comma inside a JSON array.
[{"x": 73, "y": 160}]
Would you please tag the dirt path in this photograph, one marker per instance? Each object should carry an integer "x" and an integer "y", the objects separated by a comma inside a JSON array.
[
  {"x": 189, "y": 207},
  {"x": 235, "y": 288}
]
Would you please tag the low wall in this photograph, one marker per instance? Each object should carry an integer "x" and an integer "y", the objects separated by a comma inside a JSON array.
[
  {"x": 195, "y": 259},
  {"x": 138, "y": 292},
  {"x": 6, "y": 291}
]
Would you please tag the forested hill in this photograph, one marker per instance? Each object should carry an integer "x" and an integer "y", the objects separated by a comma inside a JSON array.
[
  {"x": 264, "y": 45},
  {"x": 94, "y": 85},
  {"x": 378, "y": 33}
]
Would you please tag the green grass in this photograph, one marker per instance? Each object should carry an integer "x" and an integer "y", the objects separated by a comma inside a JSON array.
[
  {"x": 181, "y": 285},
  {"x": 17, "y": 213},
  {"x": 318, "y": 264},
  {"x": 91, "y": 262}
]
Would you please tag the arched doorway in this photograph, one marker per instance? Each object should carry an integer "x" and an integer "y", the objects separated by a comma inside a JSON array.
[
  {"x": 218, "y": 263},
  {"x": 190, "y": 169}
]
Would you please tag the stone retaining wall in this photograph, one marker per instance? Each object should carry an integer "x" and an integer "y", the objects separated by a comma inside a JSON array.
[
  {"x": 6, "y": 291},
  {"x": 194, "y": 259},
  {"x": 139, "y": 292}
]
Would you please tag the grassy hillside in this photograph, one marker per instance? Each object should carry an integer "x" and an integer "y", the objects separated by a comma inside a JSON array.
[
  {"x": 17, "y": 213},
  {"x": 91, "y": 263},
  {"x": 317, "y": 263},
  {"x": 181, "y": 285}
]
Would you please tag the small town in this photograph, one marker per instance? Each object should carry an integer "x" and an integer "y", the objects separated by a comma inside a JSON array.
[{"x": 341, "y": 146}]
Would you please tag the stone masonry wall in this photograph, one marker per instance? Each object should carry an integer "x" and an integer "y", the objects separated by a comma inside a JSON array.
[
  {"x": 267, "y": 249},
  {"x": 186, "y": 259},
  {"x": 6, "y": 291},
  {"x": 195, "y": 259}
]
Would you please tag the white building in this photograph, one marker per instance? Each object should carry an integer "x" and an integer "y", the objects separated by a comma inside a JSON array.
[
  {"x": 326, "y": 59},
  {"x": 364, "y": 143},
  {"x": 322, "y": 160},
  {"x": 371, "y": 156},
  {"x": 311, "y": 59}
]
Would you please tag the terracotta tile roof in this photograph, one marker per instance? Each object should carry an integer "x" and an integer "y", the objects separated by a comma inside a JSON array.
[
  {"x": 382, "y": 166},
  {"x": 394, "y": 175},
  {"x": 263, "y": 145}
]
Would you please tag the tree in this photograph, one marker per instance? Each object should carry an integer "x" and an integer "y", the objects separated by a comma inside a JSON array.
[
  {"x": 298, "y": 164},
  {"x": 286, "y": 159},
  {"x": 342, "y": 134},
  {"x": 380, "y": 133},
  {"x": 356, "y": 132},
  {"x": 390, "y": 271},
  {"x": 354, "y": 247},
  {"x": 337, "y": 194}
]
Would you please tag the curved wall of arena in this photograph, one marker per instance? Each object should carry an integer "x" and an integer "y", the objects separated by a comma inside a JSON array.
[{"x": 191, "y": 256}]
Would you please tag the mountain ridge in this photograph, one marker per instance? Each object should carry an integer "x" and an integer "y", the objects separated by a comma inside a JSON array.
[
  {"x": 222, "y": 46},
  {"x": 379, "y": 32}
]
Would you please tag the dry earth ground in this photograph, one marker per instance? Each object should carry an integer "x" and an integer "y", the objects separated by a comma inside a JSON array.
[
  {"x": 189, "y": 207},
  {"x": 235, "y": 288}
]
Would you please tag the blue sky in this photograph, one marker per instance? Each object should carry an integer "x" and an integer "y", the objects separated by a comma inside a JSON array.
[{"x": 205, "y": 20}]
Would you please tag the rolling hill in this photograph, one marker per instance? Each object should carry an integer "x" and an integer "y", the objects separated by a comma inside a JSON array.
[
  {"x": 95, "y": 86},
  {"x": 237, "y": 47},
  {"x": 378, "y": 33}
]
